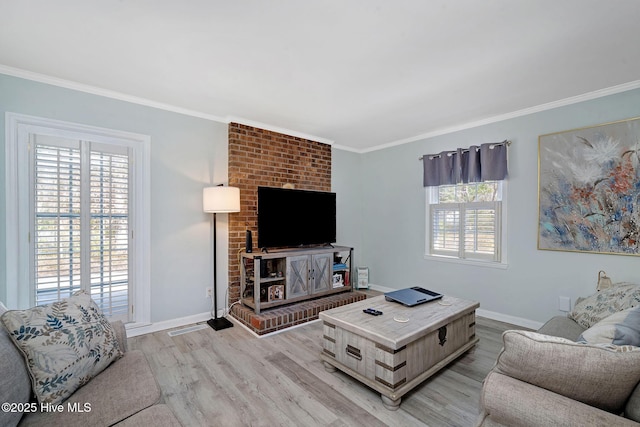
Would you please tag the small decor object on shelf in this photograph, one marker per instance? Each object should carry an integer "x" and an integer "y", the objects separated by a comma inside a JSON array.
[
  {"x": 363, "y": 278},
  {"x": 276, "y": 293},
  {"x": 337, "y": 280}
]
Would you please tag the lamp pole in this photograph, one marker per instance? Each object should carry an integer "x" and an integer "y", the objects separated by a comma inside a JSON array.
[{"x": 219, "y": 199}]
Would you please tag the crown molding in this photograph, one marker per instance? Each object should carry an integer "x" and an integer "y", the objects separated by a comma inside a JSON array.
[
  {"x": 29, "y": 75},
  {"x": 519, "y": 113},
  {"x": 42, "y": 78},
  {"x": 94, "y": 90},
  {"x": 272, "y": 128},
  {"x": 345, "y": 148}
]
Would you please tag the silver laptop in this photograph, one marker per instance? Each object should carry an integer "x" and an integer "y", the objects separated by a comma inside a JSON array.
[{"x": 412, "y": 296}]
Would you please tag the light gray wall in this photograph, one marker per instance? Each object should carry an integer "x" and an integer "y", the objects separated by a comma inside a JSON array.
[
  {"x": 346, "y": 183},
  {"x": 187, "y": 153},
  {"x": 393, "y": 220},
  {"x": 380, "y": 204}
]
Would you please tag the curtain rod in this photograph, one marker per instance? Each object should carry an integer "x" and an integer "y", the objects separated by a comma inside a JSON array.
[{"x": 465, "y": 150}]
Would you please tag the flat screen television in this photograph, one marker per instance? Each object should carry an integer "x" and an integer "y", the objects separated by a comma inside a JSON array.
[{"x": 291, "y": 218}]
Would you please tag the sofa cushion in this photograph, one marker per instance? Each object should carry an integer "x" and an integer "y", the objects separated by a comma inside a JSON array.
[
  {"x": 15, "y": 386},
  {"x": 632, "y": 408},
  {"x": 602, "y": 375},
  {"x": 596, "y": 307},
  {"x": 562, "y": 326},
  {"x": 65, "y": 344},
  {"x": 125, "y": 388},
  {"x": 621, "y": 328}
]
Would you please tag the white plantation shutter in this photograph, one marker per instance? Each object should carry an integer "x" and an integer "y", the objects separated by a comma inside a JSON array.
[
  {"x": 57, "y": 221},
  {"x": 81, "y": 222},
  {"x": 445, "y": 232},
  {"x": 481, "y": 231},
  {"x": 464, "y": 227},
  {"x": 109, "y": 231}
]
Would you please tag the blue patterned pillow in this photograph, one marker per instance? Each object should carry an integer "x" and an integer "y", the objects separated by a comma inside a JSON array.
[
  {"x": 65, "y": 344},
  {"x": 621, "y": 328}
]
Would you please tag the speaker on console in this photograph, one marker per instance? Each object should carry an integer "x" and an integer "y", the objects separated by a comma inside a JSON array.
[{"x": 248, "y": 242}]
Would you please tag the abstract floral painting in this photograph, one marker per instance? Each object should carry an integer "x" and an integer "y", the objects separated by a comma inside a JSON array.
[{"x": 589, "y": 189}]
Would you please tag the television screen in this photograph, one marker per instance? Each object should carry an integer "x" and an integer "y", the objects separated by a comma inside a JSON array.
[{"x": 289, "y": 218}]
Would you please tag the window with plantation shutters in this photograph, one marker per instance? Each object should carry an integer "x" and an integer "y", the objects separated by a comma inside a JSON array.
[
  {"x": 464, "y": 221},
  {"x": 80, "y": 233},
  {"x": 78, "y": 211}
]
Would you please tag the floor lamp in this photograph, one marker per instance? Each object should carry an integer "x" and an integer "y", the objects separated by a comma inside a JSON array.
[{"x": 219, "y": 200}]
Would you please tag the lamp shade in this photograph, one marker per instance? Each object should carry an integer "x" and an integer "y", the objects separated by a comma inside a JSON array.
[{"x": 221, "y": 199}]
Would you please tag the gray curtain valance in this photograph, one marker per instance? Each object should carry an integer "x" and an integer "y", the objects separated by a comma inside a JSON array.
[{"x": 488, "y": 162}]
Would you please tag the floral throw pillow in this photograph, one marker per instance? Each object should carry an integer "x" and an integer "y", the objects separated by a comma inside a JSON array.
[
  {"x": 65, "y": 344},
  {"x": 596, "y": 307}
]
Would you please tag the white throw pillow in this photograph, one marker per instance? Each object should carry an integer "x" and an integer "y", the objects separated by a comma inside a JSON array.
[{"x": 621, "y": 328}]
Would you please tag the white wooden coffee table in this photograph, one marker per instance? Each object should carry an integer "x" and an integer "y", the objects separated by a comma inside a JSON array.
[{"x": 393, "y": 356}]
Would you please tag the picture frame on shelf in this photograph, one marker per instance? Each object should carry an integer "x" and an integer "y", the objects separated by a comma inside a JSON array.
[
  {"x": 275, "y": 293},
  {"x": 338, "y": 280}
]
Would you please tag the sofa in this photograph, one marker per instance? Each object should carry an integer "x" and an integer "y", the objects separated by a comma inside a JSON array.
[
  {"x": 577, "y": 370},
  {"x": 125, "y": 393}
]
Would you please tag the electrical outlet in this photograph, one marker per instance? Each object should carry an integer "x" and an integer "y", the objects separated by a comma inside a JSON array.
[
  {"x": 209, "y": 292},
  {"x": 564, "y": 304}
]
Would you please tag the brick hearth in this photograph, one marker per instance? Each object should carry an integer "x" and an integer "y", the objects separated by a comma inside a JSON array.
[{"x": 286, "y": 316}]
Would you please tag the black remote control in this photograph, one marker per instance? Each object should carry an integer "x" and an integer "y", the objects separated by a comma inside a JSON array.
[{"x": 372, "y": 312}]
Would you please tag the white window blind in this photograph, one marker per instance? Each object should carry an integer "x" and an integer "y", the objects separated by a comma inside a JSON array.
[
  {"x": 465, "y": 220},
  {"x": 81, "y": 222}
]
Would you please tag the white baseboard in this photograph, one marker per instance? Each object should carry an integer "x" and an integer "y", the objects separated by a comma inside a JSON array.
[
  {"x": 167, "y": 324},
  {"x": 380, "y": 288},
  {"x": 518, "y": 321},
  {"x": 202, "y": 317}
]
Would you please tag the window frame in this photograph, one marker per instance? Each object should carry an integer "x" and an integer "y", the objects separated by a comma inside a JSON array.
[
  {"x": 18, "y": 128},
  {"x": 431, "y": 193}
]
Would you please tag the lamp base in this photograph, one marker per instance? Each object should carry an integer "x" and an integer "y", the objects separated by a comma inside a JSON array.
[{"x": 220, "y": 323}]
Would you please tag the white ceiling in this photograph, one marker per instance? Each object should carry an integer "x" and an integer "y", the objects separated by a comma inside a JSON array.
[{"x": 360, "y": 73}]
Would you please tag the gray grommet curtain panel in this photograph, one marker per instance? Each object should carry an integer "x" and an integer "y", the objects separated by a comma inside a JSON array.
[{"x": 487, "y": 162}]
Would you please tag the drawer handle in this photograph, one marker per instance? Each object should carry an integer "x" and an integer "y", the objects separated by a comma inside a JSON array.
[
  {"x": 442, "y": 335},
  {"x": 353, "y": 352}
]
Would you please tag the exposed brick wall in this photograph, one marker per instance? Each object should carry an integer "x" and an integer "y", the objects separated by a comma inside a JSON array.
[{"x": 259, "y": 157}]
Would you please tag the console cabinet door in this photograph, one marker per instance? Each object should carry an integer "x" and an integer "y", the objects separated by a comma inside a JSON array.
[
  {"x": 321, "y": 277},
  {"x": 298, "y": 273}
]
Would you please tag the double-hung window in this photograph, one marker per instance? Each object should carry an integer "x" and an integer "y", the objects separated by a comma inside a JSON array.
[
  {"x": 77, "y": 203},
  {"x": 464, "y": 221}
]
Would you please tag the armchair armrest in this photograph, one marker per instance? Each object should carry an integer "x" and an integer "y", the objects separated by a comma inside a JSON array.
[
  {"x": 603, "y": 376},
  {"x": 510, "y": 402}
]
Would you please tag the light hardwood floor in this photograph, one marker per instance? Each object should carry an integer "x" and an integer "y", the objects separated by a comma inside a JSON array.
[{"x": 232, "y": 378}]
